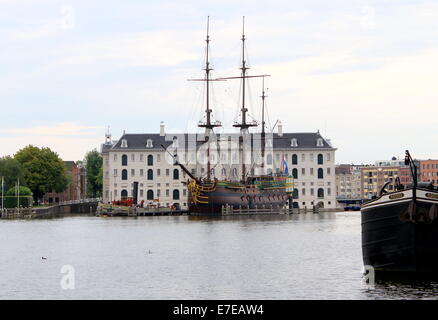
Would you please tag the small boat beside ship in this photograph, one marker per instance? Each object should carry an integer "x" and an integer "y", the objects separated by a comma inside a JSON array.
[{"x": 400, "y": 228}]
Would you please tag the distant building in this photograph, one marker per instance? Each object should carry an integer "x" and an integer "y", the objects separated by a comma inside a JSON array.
[
  {"x": 76, "y": 188},
  {"x": 374, "y": 177},
  {"x": 348, "y": 181},
  {"x": 429, "y": 171},
  {"x": 140, "y": 158}
]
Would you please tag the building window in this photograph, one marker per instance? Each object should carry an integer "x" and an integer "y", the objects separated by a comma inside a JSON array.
[
  {"x": 311, "y": 171},
  {"x": 124, "y": 143},
  {"x": 141, "y": 193},
  {"x": 328, "y": 156},
  {"x": 319, "y": 143},
  {"x": 303, "y": 191},
  {"x": 132, "y": 172},
  {"x": 158, "y": 193},
  {"x": 321, "y": 193},
  {"x": 167, "y": 172},
  {"x": 133, "y": 157},
  {"x": 293, "y": 142},
  {"x": 141, "y": 157},
  {"x": 328, "y": 171},
  {"x": 150, "y": 195},
  {"x": 295, "y": 194},
  {"x": 295, "y": 173},
  {"x": 234, "y": 172},
  {"x": 184, "y": 192},
  {"x": 124, "y": 174},
  {"x": 320, "y": 159},
  {"x": 150, "y": 160},
  {"x": 149, "y": 144},
  {"x": 115, "y": 157},
  {"x": 294, "y": 159},
  {"x": 320, "y": 173},
  {"x": 167, "y": 192},
  {"x": 303, "y": 171},
  {"x": 175, "y": 174},
  {"x": 150, "y": 174},
  {"x": 311, "y": 191},
  {"x": 124, "y": 160},
  {"x": 175, "y": 194},
  {"x": 269, "y": 159},
  {"x": 303, "y": 157},
  {"x": 212, "y": 171},
  {"x": 328, "y": 191},
  {"x": 224, "y": 171},
  {"x": 115, "y": 172},
  {"x": 158, "y": 172},
  {"x": 141, "y": 172},
  {"x": 124, "y": 194}
]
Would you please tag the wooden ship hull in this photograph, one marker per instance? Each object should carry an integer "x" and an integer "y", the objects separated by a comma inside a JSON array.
[{"x": 211, "y": 198}]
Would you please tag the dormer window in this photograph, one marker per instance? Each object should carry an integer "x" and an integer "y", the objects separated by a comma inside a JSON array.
[
  {"x": 124, "y": 143},
  {"x": 149, "y": 143},
  {"x": 175, "y": 142},
  {"x": 269, "y": 143},
  {"x": 319, "y": 142},
  {"x": 294, "y": 142}
]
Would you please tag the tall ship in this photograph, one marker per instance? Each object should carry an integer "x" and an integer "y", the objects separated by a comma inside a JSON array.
[
  {"x": 400, "y": 228},
  {"x": 208, "y": 195}
]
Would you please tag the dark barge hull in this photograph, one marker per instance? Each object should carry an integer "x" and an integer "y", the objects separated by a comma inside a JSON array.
[{"x": 400, "y": 232}]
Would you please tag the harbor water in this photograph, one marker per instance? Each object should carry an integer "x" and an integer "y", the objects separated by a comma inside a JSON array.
[{"x": 300, "y": 256}]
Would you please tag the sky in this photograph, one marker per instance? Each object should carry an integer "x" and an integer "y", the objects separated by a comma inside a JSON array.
[{"x": 363, "y": 73}]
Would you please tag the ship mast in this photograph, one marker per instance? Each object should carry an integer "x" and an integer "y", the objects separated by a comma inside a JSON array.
[
  {"x": 209, "y": 125},
  {"x": 263, "y": 126},
  {"x": 244, "y": 124}
]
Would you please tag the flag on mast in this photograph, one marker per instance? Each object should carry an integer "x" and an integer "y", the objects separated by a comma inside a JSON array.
[{"x": 285, "y": 168}]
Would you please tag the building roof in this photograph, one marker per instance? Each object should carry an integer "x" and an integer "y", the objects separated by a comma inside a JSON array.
[{"x": 136, "y": 141}]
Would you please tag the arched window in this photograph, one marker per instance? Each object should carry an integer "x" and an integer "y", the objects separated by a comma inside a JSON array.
[
  {"x": 295, "y": 173},
  {"x": 212, "y": 171},
  {"x": 234, "y": 172},
  {"x": 175, "y": 194},
  {"x": 150, "y": 195},
  {"x": 175, "y": 174},
  {"x": 124, "y": 194},
  {"x": 124, "y": 160},
  {"x": 293, "y": 142},
  {"x": 320, "y": 159},
  {"x": 150, "y": 160},
  {"x": 320, "y": 173},
  {"x": 269, "y": 159},
  {"x": 124, "y": 174},
  {"x": 150, "y": 174},
  {"x": 294, "y": 159},
  {"x": 224, "y": 172},
  {"x": 321, "y": 193},
  {"x": 295, "y": 194}
]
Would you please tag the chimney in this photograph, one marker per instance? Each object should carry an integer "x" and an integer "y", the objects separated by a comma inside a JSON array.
[
  {"x": 162, "y": 134},
  {"x": 280, "y": 129}
]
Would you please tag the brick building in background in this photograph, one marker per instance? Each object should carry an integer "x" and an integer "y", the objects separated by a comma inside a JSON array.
[
  {"x": 77, "y": 188},
  {"x": 429, "y": 171}
]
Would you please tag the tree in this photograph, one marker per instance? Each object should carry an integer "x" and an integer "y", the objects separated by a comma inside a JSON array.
[
  {"x": 93, "y": 164},
  {"x": 44, "y": 171},
  {"x": 11, "y": 170}
]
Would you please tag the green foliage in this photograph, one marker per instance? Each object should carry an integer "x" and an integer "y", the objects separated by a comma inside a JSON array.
[
  {"x": 11, "y": 170},
  {"x": 94, "y": 170},
  {"x": 44, "y": 171},
  {"x": 24, "y": 191}
]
